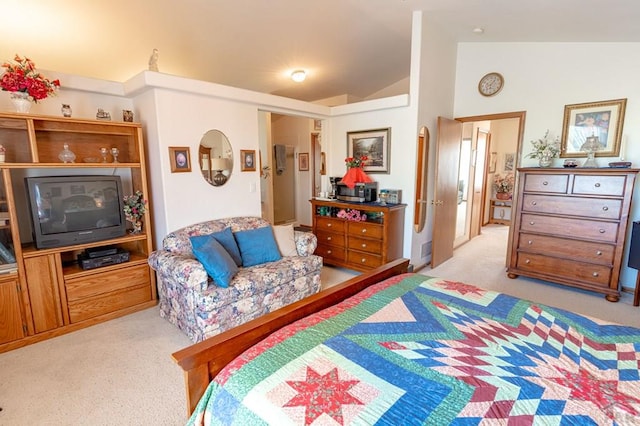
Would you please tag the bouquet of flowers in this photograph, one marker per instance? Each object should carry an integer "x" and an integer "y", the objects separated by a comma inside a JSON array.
[
  {"x": 355, "y": 162},
  {"x": 135, "y": 207},
  {"x": 352, "y": 214},
  {"x": 22, "y": 76},
  {"x": 503, "y": 183},
  {"x": 545, "y": 147}
]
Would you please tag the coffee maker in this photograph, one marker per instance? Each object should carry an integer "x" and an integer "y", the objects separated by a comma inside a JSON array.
[{"x": 333, "y": 180}]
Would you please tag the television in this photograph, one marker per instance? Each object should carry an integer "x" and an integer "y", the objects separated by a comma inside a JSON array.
[{"x": 68, "y": 210}]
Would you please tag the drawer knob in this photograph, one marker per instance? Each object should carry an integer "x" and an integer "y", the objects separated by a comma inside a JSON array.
[
  {"x": 328, "y": 251},
  {"x": 545, "y": 183},
  {"x": 532, "y": 223},
  {"x": 363, "y": 260},
  {"x": 599, "y": 253},
  {"x": 364, "y": 245},
  {"x": 602, "y": 231},
  {"x": 605, "y": 208},
  {"x": 597, "y": 185},
  {"x": 527, "y": 261},
  {"x": 328, "y": 238},
  {"x": 364, "y": 231},
  {"x": 329, "y": 225},
  {"x": 529, "y": 242},
  {"x": 595, "y": 274},
  {"x": 533, "y": 203}
]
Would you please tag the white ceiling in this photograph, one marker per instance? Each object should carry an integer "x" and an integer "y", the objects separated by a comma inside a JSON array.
[{"x": 348, "y": 47}]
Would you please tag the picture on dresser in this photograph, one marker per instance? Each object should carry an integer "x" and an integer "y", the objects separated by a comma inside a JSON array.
[
  {"x": 602, "y": 120},
  {"x": 373, "y": 144}
]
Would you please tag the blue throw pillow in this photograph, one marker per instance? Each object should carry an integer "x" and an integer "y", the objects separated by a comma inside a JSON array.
[
  {"x": 257, "y": 246},
  {"x": 215, "y": 259},
  {"x": 229, "y": 243}
]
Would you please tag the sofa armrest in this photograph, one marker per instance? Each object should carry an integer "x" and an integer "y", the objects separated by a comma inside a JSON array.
[
  {"x": 306, "y": 243},
  {"x": 186, "y": 271}
]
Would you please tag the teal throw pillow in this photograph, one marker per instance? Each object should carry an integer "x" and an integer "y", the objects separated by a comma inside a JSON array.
[
  {"x": 257, "y": 246},
  {"x": 215, "y": 259},
  {"x": 228, "y": 241}
]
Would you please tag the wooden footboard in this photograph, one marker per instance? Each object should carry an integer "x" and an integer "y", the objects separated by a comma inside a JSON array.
[{"x": 202, "y": 361}]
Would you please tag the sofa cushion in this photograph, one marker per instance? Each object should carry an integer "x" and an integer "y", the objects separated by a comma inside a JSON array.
[
  {"x": 215, "y": 259},
  {"x": 285, "y": 238},
  {"x": 257, "y": 246},
  {"x": 228, "y": 241}
]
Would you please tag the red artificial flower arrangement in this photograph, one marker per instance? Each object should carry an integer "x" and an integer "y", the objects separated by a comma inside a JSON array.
[
  {"x": 22, "y": 76},
  {"x": 355, "y": 174}
]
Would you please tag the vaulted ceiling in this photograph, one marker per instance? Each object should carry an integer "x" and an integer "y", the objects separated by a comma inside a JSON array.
[{"x": 347, "y": 47}]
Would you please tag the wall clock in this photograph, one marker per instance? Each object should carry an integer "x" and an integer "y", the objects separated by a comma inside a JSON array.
[{"x": 491, "y": 84}]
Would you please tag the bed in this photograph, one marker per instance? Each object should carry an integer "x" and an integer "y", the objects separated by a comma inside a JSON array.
[{"x": 390, "y": 347}]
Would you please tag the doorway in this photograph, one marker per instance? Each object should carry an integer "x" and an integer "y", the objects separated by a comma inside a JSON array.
[{"x": 500, "y": 137}]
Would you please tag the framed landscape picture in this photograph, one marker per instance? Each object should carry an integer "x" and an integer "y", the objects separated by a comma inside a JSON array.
[{"x": 373, "y": 144}]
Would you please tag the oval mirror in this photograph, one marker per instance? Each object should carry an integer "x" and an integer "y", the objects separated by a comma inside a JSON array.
[
  {"x": 215, "y": 157},
  {"x": 422, "y": 155}
]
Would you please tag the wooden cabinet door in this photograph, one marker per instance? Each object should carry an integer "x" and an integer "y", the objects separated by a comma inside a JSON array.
[
  {"x": 42, "y": 283},
  {"x": 11, "y": 325}
]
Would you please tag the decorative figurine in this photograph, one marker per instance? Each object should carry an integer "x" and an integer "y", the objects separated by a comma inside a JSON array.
[
  {"x": 2, "y": 153},
  {"x": 103, "y": 115},
  {"x": 153, "y": 61},
  {"x": 66, "y": 155},
  {"x": 127, "y": 115},
  {"x": 66, "y": 110}
]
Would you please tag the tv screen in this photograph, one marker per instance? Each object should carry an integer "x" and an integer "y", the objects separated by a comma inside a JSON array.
[{"x": 67, "y": 210}]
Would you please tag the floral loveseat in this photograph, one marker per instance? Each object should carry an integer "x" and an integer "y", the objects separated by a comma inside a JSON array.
[{"x": 192, "y": 301}]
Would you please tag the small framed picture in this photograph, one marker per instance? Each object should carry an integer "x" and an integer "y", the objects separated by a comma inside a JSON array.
[
  {"x": 248, "y": 158},
  {"x": 317, "y": 124},
  {"x": 303, "y": 161},
  {"x": 509, "y": 161},
  {"x": 180, "y": 159}
]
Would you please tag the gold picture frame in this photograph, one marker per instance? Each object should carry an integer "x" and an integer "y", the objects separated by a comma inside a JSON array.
[
  {"x": 375, "y": 145},
  {"x": 248, "y": 160},
  {"x": 180, "y": 159},
  {"x": 603, "y": 119},
  {"x": 303, "y": 161}
]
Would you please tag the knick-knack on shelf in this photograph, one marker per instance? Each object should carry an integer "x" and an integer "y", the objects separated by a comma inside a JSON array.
[
  {"x": 66, "y": 155},
  {"x": 66, "y": 110}
]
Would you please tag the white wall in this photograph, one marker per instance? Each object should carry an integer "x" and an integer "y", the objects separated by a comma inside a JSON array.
[{"x": 541, "y": 78}]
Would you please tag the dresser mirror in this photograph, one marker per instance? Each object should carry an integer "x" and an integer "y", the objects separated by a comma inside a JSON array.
[{"x": 215, "y": 157}]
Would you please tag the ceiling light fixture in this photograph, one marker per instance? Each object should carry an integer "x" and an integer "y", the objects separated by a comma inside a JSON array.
[{"x": 298, "y": 76}]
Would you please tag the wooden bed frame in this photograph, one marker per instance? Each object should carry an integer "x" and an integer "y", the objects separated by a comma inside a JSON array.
[{"x": 203, "y": 360}]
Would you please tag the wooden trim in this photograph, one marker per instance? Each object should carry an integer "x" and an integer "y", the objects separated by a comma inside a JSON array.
[{"x": 203, "y": 360}]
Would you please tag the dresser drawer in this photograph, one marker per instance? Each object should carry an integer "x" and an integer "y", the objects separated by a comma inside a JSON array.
[
  {"x": 565, "y": 227},
  {"x": 329, "y": 224},
  {"x": 83, "y": 309},
  {"x": 558, "y": 184},
  {"x": 106, "y": 282},
  {"x": 565, "y": 268},
  {"x": 599, "y": 185},
  {"x": 363, "y": 260},
  {"x": 578, "y": 250},
  {"x": 329, "y": 253},
  {"x": 601, "y": 208},
  {"x": 365, "y": 229},
  {"x": 330, "y": 238},
  {"x": 365, "y": 244}
]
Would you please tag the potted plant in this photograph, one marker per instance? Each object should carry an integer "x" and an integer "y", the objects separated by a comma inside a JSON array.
[
  {"x": 545, "y": 149},
  {"x": 503, "y": 185}
]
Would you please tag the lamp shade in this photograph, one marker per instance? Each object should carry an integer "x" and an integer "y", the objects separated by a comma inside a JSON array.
[{"x": 218, "y": 164}]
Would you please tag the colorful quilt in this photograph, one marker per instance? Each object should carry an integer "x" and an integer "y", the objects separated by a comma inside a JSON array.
[{"x": 418, "y": 350}]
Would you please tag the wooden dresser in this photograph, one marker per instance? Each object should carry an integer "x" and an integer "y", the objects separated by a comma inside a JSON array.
[
  {"x": 570, "y": 226},
  {"x": 358, "y": 245}
]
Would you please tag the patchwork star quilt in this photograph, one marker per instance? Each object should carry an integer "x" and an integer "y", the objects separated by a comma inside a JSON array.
[{"x": 418, "y": 350}]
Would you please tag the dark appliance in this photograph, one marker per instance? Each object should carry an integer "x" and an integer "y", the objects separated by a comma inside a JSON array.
[{"x": 360, "y": 193}]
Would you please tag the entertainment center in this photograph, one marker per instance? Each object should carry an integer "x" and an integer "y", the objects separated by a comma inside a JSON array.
[{"x": 96, "y": 270}]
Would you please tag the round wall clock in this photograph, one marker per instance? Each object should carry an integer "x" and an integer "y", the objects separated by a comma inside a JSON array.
[{"x": 491, "y": 84}]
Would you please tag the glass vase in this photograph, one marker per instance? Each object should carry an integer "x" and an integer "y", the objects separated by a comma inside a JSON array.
[
  {"x": 545, "y": 161},
  {"x": 21, "y": 101}
]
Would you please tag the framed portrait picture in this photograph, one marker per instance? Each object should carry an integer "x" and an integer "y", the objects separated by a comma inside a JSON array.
[
  {"x": 248, "y": 159},
  {"x": 603, "y": 120},
  {"x": 180, "y": 159},
  {"x": 373, "y": 144},
  {"x": 303, "y": 161},
  {"x": 509, "y": 161}
]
